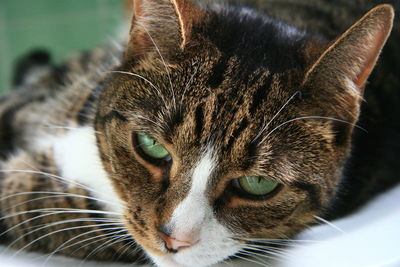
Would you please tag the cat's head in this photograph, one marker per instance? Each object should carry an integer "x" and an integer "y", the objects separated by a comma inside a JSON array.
[{"x": 223, "y": 126}]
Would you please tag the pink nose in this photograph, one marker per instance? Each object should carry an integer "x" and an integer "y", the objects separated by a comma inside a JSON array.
[{"x": 174, "y": 245}]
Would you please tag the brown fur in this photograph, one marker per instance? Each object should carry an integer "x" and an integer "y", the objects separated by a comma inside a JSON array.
[
  {"x": 301, "y": 155},
  {"x": 188, "y": 90}
]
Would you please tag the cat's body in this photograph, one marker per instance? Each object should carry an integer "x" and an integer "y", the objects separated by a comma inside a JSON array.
[{"x": 210, "y": 109}]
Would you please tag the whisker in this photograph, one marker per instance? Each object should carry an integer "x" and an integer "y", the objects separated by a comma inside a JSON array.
[
  {"x": 54, "y": 195},
  {"x": 266, "y": 248},
  {"x": 271, "y": 241},
  {"x": 104, "y": 245},
  {"x": 141, "y": 257},
  {"x": 51, "y": 233},
  {"x": 165, "y": 65},
  {"x": 189, "y": 82},
  {"x": 54, "y": 213},
  {"x": 276, "y": 115},
  {"x": 274, "y": 243},
  {"x": 126, "y": 247},
  {"x": 58, "y": 127},
  {"x": 60, "y": 210},
  {"x": 266, "y": 259},
  {"x": 44, "y": 226},
  {"x": 62, "y": 246},
  {"x": 139, "y": 117},
  {"x": 143, "y": 78},
  {"x": 254, "y": 256},
  {"x": 99, "y": 246},
  {"x": 228, "y": 262},
  {"x": 250, "y": 260},
  {"x": 53, "y": 176},
  {"x": 271, "y": 251},
  {"x": 58, "y": 178},
  {"x": 281, "y": 247},
  {"x": 309, "y": 117},
  {"x": 270, "y": 258},
  {"x": 104, "y": 237},
  {"x": 329, "y": 224}
]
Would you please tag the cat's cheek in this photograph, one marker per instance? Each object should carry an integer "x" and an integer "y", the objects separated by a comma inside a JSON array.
[
  {"x": 147, "y": 240},
  {"x": 78, "y": 160}
]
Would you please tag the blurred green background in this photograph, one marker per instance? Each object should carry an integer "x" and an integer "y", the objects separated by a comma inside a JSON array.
[{"x": 60, "y": 26}]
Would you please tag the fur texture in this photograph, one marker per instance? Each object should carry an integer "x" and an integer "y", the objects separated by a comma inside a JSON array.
[{"x": 230, "y": 93}]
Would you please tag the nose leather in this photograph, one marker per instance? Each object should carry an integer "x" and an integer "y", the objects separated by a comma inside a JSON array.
[{"x": 174, "y": 245}]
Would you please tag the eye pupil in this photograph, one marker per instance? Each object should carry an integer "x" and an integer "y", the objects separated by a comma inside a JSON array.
[
  {"x": 151, "y": 147},
  {"x": 257, "y": 185}
]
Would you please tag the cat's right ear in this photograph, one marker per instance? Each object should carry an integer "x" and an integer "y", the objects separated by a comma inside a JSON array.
[
  {"x": 161, "y": 27},
  {"x": 340, "y": 73}
]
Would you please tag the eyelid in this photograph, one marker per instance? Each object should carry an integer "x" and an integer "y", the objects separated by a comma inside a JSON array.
[
  {"x": 237, "y": 189},
  {"x": 159, "y": 162}
]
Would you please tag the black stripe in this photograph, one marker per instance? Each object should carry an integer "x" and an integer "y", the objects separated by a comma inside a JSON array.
[
  {"x": 7, "y": 131},
  {"x": 217, "y": 76},
  {"x": 112, "y": 115},
  {"x": 87, "y": 108},
  {"x": 342, "y": 133},
  {"x": 173, "y": 122},
  {"x": 250, "y": 159},
  {"x": 221, "y": 100},
  {"x": 199, "y": 119},
  {"x": 313, "y": 193},
  {"x": 60, "y": 73},
  {"x": 25, "y": 65},
  {"x": 243, "y": 125},
  {"x": 260, "y": 95}
]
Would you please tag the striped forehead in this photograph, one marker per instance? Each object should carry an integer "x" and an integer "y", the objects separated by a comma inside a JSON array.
[{"x": 231, "y": 118}]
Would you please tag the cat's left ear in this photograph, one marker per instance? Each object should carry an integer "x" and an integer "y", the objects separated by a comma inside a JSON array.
[
  {"x": 348, "y": 61},
  {"x": 161, "y": 27}
]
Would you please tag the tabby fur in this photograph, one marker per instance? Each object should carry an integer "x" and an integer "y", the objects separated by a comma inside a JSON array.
[{"x": 218, "y": 86}]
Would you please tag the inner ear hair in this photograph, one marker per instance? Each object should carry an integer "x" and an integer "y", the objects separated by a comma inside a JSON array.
[
  {"x": 349, "y": 60},
  {"x": 164, "y": 25}
]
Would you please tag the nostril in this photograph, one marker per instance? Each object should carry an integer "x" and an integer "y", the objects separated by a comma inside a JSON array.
[
  {"x": 172, "y": 244},
  {"x": 167, "y": 242}
]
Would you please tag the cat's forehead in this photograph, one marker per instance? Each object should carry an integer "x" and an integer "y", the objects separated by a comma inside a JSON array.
[
  {"x": 225, "y": 110},
  {"x": 223, "y": 91},
  {"x": 210, "y": 98}
]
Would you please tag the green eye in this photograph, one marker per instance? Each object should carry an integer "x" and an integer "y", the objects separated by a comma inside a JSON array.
[
  {"x": 151, "y": 147},
  {"x": 258, "y": 186}
]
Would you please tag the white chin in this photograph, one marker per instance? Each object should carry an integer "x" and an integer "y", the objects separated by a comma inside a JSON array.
[{"x": 204, "y": 257}]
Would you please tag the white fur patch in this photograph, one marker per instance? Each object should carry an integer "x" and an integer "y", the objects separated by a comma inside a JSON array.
[
  {"x": 195, "y": 216},
  {"x": 77, "y": 157},
  {"x": 190, "y": 214}
]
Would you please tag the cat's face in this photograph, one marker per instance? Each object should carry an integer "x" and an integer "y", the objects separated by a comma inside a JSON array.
[{"x": 225, "y": 131}]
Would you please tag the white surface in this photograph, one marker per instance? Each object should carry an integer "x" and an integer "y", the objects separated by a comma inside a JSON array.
[{"x": 371, "y": 238}]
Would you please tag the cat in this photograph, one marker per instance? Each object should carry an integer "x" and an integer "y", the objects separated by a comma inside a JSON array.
[{"x": 214, "y": 132}]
